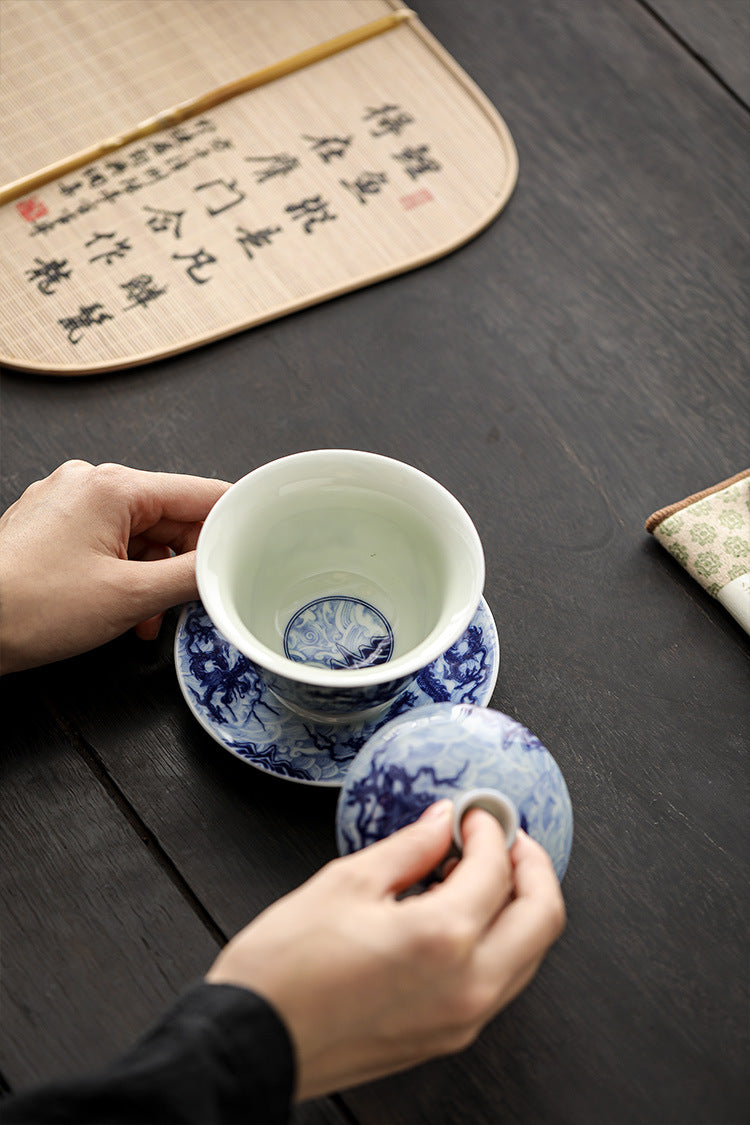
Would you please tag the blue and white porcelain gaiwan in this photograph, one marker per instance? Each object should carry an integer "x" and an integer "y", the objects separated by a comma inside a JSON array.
[{"x": 455, "y": 750}]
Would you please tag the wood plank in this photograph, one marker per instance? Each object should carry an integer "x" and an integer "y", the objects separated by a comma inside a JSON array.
[
  {"x": 97, "y": 939},
  {"x": 204, "y": 806},
  {"x": 718, "y": 31}
]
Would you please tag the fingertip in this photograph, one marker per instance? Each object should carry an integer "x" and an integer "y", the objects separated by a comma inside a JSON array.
[
  {"x": 175, "y": 495},
  {"x": 439, "y": 810},
  {"x": 534, "y": 876},
  {"x": 411, "y": 853},
  {"x": 481, "y": 882},
  {"x": 526, "y": 846},
  {"x": 149, "y": 630},
  {"x": 477, "y": 823}
]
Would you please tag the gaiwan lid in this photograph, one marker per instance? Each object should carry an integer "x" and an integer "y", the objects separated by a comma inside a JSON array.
[{"x": 445, "y": 750}]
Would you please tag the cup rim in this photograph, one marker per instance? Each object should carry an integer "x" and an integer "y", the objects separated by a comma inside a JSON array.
[{"x": 404, "y": 666}]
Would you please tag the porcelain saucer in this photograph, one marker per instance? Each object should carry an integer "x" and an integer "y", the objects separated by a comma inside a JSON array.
[{"x": 225, "y": 693}]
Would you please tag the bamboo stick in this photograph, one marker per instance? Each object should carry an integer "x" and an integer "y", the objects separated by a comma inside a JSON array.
[{"x": 196, "y": 106}]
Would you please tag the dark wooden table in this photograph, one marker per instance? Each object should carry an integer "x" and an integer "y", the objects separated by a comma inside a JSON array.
[{"x": 581, "y": 363}]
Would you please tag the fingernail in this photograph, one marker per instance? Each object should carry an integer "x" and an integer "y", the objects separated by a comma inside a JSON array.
[{"x": 438, "y": 811}]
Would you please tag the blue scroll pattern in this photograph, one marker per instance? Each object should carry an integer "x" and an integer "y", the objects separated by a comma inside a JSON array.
[
  {"x": 441, "y": 752},
  {"x": 228, "y": 697},
  {"x": 339, "y": 632}
]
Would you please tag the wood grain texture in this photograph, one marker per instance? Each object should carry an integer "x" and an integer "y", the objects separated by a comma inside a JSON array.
[
  {"x": 89, "y": 919},
  {"x": 202, "y": 804},
  {"x": 98, "y": 935},
  {"x": 718, "y": 31},
  {"x": 579, "y": 365}
]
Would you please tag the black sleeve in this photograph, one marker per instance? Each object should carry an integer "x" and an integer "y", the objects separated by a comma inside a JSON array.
[{"x": 221, "y": 1055}]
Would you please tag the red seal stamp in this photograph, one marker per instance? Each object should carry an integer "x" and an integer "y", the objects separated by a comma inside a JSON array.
[
  {"x": 31, "y": 209},
  {"x": 416, "y": 199}
]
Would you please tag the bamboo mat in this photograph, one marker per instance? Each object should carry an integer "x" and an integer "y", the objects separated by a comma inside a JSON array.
[{"x": 362, "y": 166}]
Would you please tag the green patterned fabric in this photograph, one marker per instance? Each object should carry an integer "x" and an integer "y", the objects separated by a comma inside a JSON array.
[
  {"x": 711, "y": 538},
  {"x": 709, "y": 534}
]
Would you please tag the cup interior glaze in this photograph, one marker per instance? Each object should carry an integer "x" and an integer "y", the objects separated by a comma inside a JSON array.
[{"x": 340, "y": 570}]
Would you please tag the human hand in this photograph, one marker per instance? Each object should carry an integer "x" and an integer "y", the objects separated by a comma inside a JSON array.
[
  {"x": 369, "y": 983},
  {"x": 86, "y": 553}
]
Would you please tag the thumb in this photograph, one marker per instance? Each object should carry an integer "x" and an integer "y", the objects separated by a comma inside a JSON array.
[
  {"x": 409, "y": 855},
  {"x": 158, "y": 584}
]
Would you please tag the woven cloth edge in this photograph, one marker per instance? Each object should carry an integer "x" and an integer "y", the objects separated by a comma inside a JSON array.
[{"x": 656, "y": 518}]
